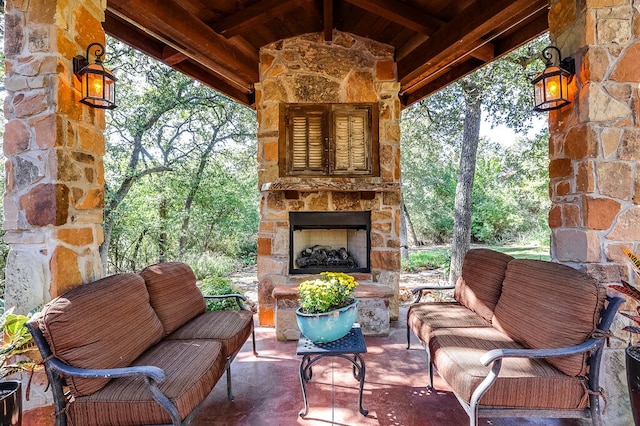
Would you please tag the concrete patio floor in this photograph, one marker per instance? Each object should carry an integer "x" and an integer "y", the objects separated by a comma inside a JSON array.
[{"x": 267, "y": 389}]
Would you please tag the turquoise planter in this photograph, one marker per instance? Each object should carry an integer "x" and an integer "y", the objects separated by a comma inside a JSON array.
[{"x": 327, "y": 326}]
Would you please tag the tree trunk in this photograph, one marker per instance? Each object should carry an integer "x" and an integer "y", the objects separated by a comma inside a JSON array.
[
  {"x": 404, "y": 247},
  {"x": 464, "y": 188},
  {"x": 412, "y": 238},
  {"x": 162, "y": 237}
]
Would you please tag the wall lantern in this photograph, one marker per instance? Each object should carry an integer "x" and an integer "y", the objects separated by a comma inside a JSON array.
[
  {"x": 98, "y": 83},
  {"x": 551, "y": 86}
]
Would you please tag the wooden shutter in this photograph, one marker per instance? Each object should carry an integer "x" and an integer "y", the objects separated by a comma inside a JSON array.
[
  {"x": 328, "y": 139},
  {"x": 306, "y": 141},
  {"x": 352, "y": 140}
]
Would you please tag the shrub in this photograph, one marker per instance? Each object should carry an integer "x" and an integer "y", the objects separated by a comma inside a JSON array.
[{"x": 213, "y": 286}]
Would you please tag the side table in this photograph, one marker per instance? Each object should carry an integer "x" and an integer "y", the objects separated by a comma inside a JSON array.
[{"x": 349, "y": 347}]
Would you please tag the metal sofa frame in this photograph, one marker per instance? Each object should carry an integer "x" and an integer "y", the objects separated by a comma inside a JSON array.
[
  {"x": 493, "y": 358},
  {"x": 56, "y": 371}
]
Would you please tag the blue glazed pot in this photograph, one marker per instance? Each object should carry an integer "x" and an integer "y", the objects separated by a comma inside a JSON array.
[{"x": 327, "y": 326}]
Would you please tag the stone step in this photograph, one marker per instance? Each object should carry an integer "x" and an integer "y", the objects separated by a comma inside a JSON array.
[{"x": 373, "y": 309}]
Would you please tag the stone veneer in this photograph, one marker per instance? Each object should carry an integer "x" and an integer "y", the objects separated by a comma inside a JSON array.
[
  {"x": 594, "y": 155},
  {"x": 307, "y": 69},
  {"x": 54, "y": 146},
  {"x": 595, "y": 142}
]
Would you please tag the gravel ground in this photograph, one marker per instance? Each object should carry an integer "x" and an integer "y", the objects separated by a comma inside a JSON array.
[{"x": 246, "y": 281}]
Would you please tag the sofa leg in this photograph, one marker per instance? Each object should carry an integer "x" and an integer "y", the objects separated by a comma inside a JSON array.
[
  {"x": 253, "y": 339},
  {"x": 594, "y": 403},
  {"x": 429, "y": 366},
  {"x": 230, "y": 396}
]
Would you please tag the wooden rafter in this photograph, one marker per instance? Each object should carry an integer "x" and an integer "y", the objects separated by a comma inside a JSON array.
[
  {"x": 401, "y": 13},
  {"x": 476, "y": 21},
  {"x": 328, "y": 20},
  {"x": 258, "y": 13}
]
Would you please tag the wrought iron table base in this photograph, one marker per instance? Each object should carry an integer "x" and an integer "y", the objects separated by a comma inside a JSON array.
[
  {"x": 349, "y": 347},
  {"x": 359, "y": 371}
]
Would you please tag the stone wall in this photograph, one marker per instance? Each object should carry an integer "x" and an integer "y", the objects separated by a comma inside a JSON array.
[
  {"x": 595, "y": 142},
  {"x": 307, "y": 69},
  {"x": 54, "y": 175},
  {"x": 54, "y": 147},
  {"x": 594, "y": 154}
]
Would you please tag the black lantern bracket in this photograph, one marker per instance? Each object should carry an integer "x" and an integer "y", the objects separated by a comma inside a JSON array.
[
  {"x": 80, "y": 63},
  {"x": 97, "y": 82},
  {"x": 554, "y": 58}
]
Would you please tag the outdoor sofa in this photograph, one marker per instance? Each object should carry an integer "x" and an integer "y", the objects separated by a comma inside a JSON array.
[
  {"x": 133, "y": 349},
  {"x": 523, "y": 338}
]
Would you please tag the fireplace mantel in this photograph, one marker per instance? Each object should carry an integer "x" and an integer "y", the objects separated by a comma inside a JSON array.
[{"x": 308, "y": 185}]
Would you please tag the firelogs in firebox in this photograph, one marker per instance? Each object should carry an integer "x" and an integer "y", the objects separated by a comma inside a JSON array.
[{"x": 321, "y": 256}]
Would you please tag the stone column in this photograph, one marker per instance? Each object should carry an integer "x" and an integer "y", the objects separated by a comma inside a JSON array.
[
  {"x": 54, "y": 146},
  {"x": 595, "y": 151}
]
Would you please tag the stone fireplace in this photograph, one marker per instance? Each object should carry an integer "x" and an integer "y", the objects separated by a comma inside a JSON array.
[{"x": 350, "y": 213}]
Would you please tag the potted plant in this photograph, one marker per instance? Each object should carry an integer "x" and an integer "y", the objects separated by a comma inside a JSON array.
[
  {"x": 327, "y": 307},
  {"x": 16, "y": 350},
  {"x": 632, "y": 352}
]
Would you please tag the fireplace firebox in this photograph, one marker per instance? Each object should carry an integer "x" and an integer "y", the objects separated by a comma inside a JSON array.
[{"x": 329, "y": 241}]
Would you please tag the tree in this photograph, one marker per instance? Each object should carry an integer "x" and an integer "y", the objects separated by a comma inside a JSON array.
[
  {"x": 498, "y": 93},
  {"x": 159, "y": 128}
]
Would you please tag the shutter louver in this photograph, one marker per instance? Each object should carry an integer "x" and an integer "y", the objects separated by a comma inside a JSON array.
[
  {"x": 307, "y": 142},
  {"x": 351, "y": 141}
]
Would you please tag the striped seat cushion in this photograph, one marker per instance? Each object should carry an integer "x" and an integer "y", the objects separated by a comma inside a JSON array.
[
  {"x": 423, "y": 318},
  {"x": 173, "y": 293},
  {"x": 549, "y": 305},
  {"x": 104, "y": 324},
  {"x": 192, "y": 370},
  {"x": 480, "y": 284},
  {"x": 232, "y": 328},
  {"x": 522, "y": 383}
]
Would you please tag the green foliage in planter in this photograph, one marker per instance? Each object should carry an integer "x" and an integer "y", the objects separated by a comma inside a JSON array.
[
  {"x": 16, "y": 341},
  {"x": 213, "y": 286}
]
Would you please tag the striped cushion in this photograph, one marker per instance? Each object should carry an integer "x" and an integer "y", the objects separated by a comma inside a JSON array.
[
  {"x": 549, "y": 305},
  {"x": 232, "y": 328},
  {"x": 522, "y": 383},
  {"x": 104, "y": 324},
  {"x": 192, "y": 370},
  {"x": 423, "y": 318},
  {"x": 480, "y": 285},
  {"x": 173, "y": 293}
]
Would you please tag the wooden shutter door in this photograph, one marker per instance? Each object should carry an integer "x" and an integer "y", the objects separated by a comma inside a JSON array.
[
  {"x": 306, "y": 150},
  {"x": 351, "y": 140}
]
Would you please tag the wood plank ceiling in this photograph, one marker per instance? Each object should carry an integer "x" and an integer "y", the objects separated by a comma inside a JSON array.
[{"x": 217, "y": 41}]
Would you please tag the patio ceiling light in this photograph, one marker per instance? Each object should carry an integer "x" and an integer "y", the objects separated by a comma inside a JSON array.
[
  {"x": 551, "y": 86},
  {"x": 98, "y": 83}
]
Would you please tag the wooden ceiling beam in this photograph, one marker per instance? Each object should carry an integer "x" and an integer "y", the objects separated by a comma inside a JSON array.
[
  {"x": 171, "y": 56},
  {"x": 532, "y": 29},
  {"x": 401, "y": 13},
  {"x": 485, "y": 51},
  {"x": 257, "y": 14},
  {"x": 452, "y": 75},
  {"x": 328, "y": 20},
  {"x": 205, "y": 77},
  {"x": 475, "y": 22},
  {"x": 175, "y": 27},
  {"x": 123, "y": 31}
]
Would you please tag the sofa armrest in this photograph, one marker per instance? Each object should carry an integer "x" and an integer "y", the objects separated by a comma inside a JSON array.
[
  {"x": 239, "y": 299},
  {"x": 496, "y": 354},
  {"x": 152, "y": 376},
  {"x": 494, "y": 358},
  {"x": 417, "y": 292},
  {"x": 151, "y": 372}
]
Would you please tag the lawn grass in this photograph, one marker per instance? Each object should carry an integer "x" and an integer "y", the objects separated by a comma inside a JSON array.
[{"x": 439, "y": 257}]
